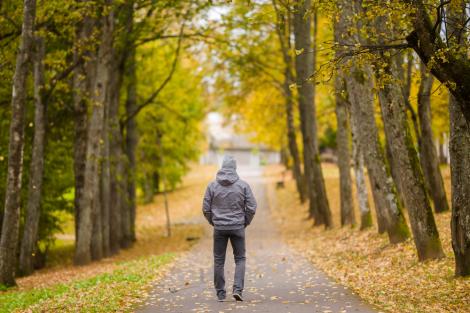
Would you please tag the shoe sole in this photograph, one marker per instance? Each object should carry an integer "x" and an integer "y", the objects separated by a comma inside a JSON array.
[{"x": 238, "y": 297}]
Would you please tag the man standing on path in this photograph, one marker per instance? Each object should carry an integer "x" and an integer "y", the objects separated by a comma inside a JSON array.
[{"x": 229, "y": 206}]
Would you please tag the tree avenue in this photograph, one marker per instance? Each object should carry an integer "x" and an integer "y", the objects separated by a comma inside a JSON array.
[{"x": 103, "y": 103}]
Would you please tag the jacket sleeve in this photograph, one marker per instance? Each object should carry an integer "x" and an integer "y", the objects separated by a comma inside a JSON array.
[
  {"x": 250, "y": 205},
  {"x": 207, "y": 205}
]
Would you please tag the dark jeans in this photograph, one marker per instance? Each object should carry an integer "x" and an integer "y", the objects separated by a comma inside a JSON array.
[{"x": 237, "y": 239}]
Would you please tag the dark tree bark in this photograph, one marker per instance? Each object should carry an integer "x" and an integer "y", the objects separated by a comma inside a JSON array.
[
  {"x": 304, "y": 66},
  {"x": 360, "y": 88},
  {"x": 128, "y": 217},
  {"x": 405, "y": 158},
  {"x": 342, "y": 148},
  {"x": 101, "y": 98},
  {"x": 31, "y": 225},
  {"x": 292, "y": 138},
  {"x": 115, "y": 162},
  {"x": 113, "y": 60},
  {"x": 147, "y": 188},
  {"x": 393, "y": 166},
  {"x": 106, "y": 190},
  {"x": 283, "y": 30},
  {"x": 97, "y": 209},
  {"x": 82, "y": 81},
  {"x": 11, "y": 213},
  {"x": 406, "y": 88},
  {"x": 361, "y": 188},
  {"x": 89, "y": 242},
  {"x": 460, "y": 178},
  {"x": 156, "y": 182},
  {"x": 403, "y": 153},
  {"x": 460, "y": 166},
  {"x": 343, "y": 143},
  {"x": 385, "y": 196},
  {"x": 427, "y": 150},
  {"x": 449, "y": 66},
  {"x": 106, "y": 176}
]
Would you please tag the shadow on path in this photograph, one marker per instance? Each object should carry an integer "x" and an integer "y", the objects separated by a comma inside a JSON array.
[{"x": 277, "y": 278}]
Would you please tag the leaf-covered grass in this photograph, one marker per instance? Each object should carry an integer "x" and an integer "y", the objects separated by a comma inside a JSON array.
[
  {"x": 388, "y": 276},
  {"x": 114, "y": 283},
  {"x": 119, "y": 290}
]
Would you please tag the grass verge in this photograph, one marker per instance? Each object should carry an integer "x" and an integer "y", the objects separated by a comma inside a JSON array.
[{"x": 119, "y": 290}]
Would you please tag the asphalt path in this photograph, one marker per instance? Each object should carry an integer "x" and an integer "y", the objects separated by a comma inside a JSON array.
[{"x": 277, "y": 278}]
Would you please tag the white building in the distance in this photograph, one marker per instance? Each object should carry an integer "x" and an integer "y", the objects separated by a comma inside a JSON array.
[{"x": 223, "y": 140}]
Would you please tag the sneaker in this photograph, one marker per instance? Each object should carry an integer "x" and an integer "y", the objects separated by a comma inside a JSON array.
[
  {"x": 238, "y": 296},
  {"x": 221, "y": 298}
]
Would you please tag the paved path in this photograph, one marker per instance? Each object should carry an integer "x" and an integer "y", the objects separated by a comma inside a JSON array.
[{"x": 277, "y": 279}]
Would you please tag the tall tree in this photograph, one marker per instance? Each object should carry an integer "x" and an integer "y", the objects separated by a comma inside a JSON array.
[
  {"x": 360, "y": 88},
  {"x": 404, "y": 155},
  {"x": 342, "y": 146},
  {"x": 116, "y": 157},
  {"x": 344, "y": 160},
  {"x": 459, "y": 151},
  {"x": 128, "y": 213},
  {"x": 10, "y": 225},
  {"x": 81, "y": 82},
  {"x": 304, "y": 66},
  {"x": 36, "y": 172},
  {"x": 283, "y": 29},
  {"x": 89, "y": 236},
  {"x": 105, "y": 194},
  {"x": 427, "y": 150}
]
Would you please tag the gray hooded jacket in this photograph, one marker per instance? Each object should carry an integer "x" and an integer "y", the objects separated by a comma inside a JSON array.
[{"x": 229, "y": 202}]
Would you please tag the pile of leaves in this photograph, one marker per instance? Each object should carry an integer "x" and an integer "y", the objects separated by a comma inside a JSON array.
[{"x": 387, "y": 276}]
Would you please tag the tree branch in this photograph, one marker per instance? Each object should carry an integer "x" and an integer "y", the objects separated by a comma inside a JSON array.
[{"x": 155, "y": 94}]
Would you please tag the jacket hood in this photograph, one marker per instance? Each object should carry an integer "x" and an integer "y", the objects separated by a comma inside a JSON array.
[{"x": 227, "y": 174}]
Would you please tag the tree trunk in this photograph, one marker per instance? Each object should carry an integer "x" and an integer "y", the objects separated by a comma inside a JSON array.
[
  {"x": 283, "y": 30},
  {"x": 360, "y": 88},
  {"x": 406, "y": 88},
  {"x": 90, "y": 239},
  {"x": 156, "y": 182},
  {"x": 106, "y": 174},
  {"x": 82, "y": 81},
  {"x": 361, "y": 188},
  {"x": 147, "y": 188},
  {"x": 97, "y": 208},
  {"x": 292, "y": 138},
  {"x": 126, "y": 218},
  {"x": 405, "y": 158},
  {"x": 11, "y": 213},
  {"x": 460, "y": 178},
  {"x": 393, "y": 167},
  {"x": 427, "y": 150},
  {"x": 362, "y": 108},
  {"x": 102, "y": 97},
  {"x": 116, "y": 163},
  {"x": 304, "y": 66},
  {"x": 30, "y": 232},
  {"x": 111, "y": 104},
  {"x": 131, "y": 144},
  {"x": 460, "y": 166},
  {"x": 342, "y": 150}
]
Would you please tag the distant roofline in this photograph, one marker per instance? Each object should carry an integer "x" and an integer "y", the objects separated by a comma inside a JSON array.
[{"x": 261, "y": 149}]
